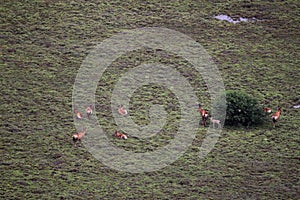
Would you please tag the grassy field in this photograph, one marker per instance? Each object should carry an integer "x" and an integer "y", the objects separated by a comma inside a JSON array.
[{"x": 43, "y": 43}]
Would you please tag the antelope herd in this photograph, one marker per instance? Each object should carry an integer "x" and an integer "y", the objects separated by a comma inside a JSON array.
[
  {"x": 204, "y": 116},
  {"x": 203, "y": 113},
  {"x": 89, "y": 111}
]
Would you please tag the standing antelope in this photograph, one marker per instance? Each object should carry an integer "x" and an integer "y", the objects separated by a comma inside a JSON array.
[
  {"x": 122, "y": 110},
  {"x": 204, "y": 115},
  {"x": 120, "y": 135},
  {"x": 89, "y": 111},
  {"x": 215, "y": 121},
  {"x": 78, "y": 114},
  {"x": 276, "y": 116},
  {"x": 77, "y": 137}
]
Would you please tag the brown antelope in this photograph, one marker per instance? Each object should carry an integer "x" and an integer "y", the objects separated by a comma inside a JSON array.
[
  {"x": 204, "y": 115},
  {"x": 78, "y": 136},
  {"x": 78, "y": 114},
  {"x": 276, "y": 116},
  {"x": 120, "y": 135},
  {"x": 122, "y": 110},
  {"x": 268, "y": 110},
  {"x": 215, "y": 121},
  {"x": 89, "y": 111}
]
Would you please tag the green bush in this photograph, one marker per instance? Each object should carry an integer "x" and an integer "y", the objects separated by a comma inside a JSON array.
[{"x": 243, "y": 109}]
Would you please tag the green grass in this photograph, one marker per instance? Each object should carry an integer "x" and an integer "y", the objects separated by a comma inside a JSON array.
[{"x": 43, "y": 44}]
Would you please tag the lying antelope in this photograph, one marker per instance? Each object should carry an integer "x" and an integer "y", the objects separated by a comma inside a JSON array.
[
  {"x": 120, "y": 135},
  {"x": 78, "y": 114},
  {"x": 122, "y": 110},
  {"x": 78, "y": 136},
  {"x": 276, "y": 116},
  {"x": 268, "y": 110},
  {"x": 215, "y": 121}
]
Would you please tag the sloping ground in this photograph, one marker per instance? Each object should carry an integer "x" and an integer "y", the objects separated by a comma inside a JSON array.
[{"x": 43, "y": 44}]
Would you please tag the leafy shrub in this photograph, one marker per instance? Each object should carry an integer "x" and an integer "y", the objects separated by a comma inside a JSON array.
[{"x": 243, "y": 109}]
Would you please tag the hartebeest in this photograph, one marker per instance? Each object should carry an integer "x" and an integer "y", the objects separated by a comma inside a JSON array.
[
  {"x": 120, "y": 135},
  {"x": 276, "y": 116},
  {"x": 89, "y": 111},
  {"x": 78, "y": 114},
  {"x": 78, "y": 136},
  {"x": 267, "y": 110},
  {"x": 122, "y": 110},
  {"x": 204, "y": 115},
  {"x": 215, "y": 121}
]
